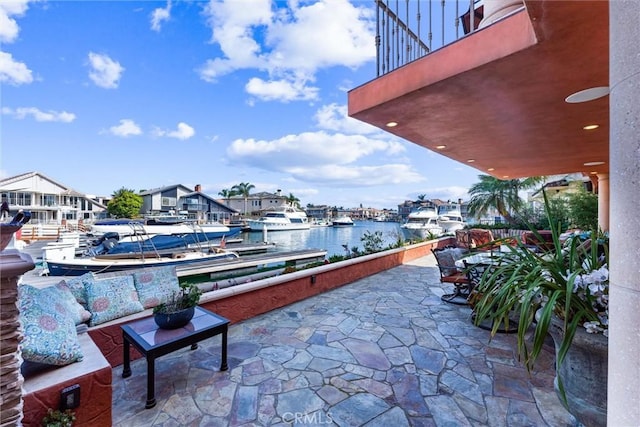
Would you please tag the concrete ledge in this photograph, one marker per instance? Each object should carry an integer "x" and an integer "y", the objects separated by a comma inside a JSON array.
[{"x": 42, "y": 390}]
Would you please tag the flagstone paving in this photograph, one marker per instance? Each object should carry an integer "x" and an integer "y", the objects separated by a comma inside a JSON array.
[{"x": 383, "y": 351}]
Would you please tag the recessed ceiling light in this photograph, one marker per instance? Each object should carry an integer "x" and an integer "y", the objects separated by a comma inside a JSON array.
[
  {"x": 593, "y": 163},
  {"x": 505, "y": 176},
  {"x": 470, "y": 161},
  {"x": 590, "y": 127},
  {"x": 491, "y": 169},
  {"x": 441, "y": 147},
  {"x": 593, "y": 173},
  {"x": 392, "y": 124},
  {"x": 588, "y": 94}
]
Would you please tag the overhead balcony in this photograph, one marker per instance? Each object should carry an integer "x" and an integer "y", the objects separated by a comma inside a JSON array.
[{"x": 495, "y": 97}]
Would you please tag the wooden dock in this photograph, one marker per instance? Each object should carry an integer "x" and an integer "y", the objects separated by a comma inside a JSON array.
[{"x": 248, "y": 263}]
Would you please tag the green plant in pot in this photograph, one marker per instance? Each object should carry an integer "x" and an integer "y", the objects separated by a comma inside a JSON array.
[
  {"x": 58, "y": 418},
  {"x": 562, "y": 291},
  {"x": 179, "y": 309}
]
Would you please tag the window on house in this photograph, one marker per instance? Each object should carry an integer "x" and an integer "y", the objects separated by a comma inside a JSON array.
[{"x": 169, "y": 201}]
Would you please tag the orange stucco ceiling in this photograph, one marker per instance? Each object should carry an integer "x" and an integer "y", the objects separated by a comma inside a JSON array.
[{"x": 497, "y": 96}]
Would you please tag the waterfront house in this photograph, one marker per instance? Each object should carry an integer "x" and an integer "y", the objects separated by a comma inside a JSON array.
[
  {"x": 530, "y": 88},
  {"x": 50, "y": 202},
  {"x": 256, "y": 203},
  {"x": 180, "y": 199}
]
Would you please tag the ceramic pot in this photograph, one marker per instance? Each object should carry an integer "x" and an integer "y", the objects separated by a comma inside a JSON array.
[
  {"x": 584, "y": 374},
  {"x": 174, "y": 320}
]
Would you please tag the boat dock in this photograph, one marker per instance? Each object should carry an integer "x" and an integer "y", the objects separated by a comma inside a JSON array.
[
  {"x": 252, "y": 263},
  {"x": 246, "y": 264}
]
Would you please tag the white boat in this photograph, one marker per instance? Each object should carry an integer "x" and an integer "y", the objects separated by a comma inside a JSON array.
[
  {"x": 342, "y": 221},
  {"x": 315, "y": 222},
  {"x": 286, "y": 217},
  {"x": 451, "y": 221},
  {"x": 107, "y": 263},
  {"x": 422, "y": 224},
  {"x": 149, "y": 227}
]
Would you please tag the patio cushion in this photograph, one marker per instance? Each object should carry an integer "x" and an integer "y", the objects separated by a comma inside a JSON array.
[
  {"x": 49, "y": 330},
  {"x": 78, "y": 285},
  {"x": 112, "y": 298},
  {"x": 156, "y": 285}
]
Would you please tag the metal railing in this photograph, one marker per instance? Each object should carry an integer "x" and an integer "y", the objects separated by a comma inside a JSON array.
[{"x": 407, "y": 30}]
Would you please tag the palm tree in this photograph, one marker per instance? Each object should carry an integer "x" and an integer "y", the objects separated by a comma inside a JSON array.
[
  {"x": 502, "y": 195},
  {"x": 227, "y": 194},
  {"x": 293, "y": 200},
  {"x": 243, "y": 189}
]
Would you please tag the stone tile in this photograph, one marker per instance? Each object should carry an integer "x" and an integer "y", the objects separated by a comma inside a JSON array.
[
  {"x": 302, "y": 401},
  {"x": 446, "y": 412},
  {"x": 367, "y": 353},
  {"x": 358, "y": 410},
  {"x": 332, "y": 395}
]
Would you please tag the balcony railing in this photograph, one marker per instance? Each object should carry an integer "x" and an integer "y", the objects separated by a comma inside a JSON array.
[{"x": 407, "y": 30}]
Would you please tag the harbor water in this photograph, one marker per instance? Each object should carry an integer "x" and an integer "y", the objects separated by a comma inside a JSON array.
[{"x": 331, "y": 239}]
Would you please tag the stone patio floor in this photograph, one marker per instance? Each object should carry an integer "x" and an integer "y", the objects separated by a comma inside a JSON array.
[{"x": 382, "y": 351}]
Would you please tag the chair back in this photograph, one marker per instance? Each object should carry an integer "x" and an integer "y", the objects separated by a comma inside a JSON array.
[{"x": 446, "y": 259}]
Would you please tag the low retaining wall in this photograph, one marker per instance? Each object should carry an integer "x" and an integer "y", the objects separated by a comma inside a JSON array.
[{"x": 248, "y": 300}]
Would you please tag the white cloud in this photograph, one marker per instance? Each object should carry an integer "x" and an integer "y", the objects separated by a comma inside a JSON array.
[
  {"x": 334, "y": 117},
  {"x": 160, "y": 15},
  {"x": 127, "y": 127},
  {"x": 8, "y": 26},
  {"x": 105, "y": 72},
  {"x": 290, "y": 43},
  {"x": 12, "y": 71},
  {"x": 312, "y": 148},
  {"x": 321, "y": 157},
  {"x": 282, "y": 90},
  {"x": 452, "y": 193},
  {"x": 183, "y": 132},
  {"x": 38, "y": 115},
  {"x": 358, "y": 176}
]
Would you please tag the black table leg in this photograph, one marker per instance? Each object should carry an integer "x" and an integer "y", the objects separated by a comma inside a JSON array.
[
  {"x": 223, "y": 363},
  {"x": 126, "y": 370},
  {"x": 151, "y": 398}
]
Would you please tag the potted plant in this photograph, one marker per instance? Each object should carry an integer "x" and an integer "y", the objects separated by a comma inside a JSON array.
[
  {"x": 179, "y": 309},
  {"x": 562, "y": 291},
  {"x": 58, "y": 418}
]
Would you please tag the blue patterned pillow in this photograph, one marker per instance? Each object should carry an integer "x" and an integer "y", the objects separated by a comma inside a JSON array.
[
  {"x": 156, "y": 285},
  {"x": 49, "y": 336},
  {"x": 112, "y": 298},
  {"x": 58, "y": 298},
  {"x": 78, "y": 285}
]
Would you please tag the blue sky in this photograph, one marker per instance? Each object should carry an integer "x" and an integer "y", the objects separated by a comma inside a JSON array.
[{"x": 143, "y": 94}]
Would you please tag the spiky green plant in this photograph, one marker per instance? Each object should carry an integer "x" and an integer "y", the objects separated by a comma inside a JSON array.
[{"x": 535, "y": 286}]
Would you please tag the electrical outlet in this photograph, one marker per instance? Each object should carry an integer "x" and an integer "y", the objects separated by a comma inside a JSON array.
[{"x": 70, "y": 397}]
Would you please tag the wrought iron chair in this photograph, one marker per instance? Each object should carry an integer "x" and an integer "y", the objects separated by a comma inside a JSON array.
[
  {"x": 474, "y": 273},
  {"x": 449, "y": 273}
]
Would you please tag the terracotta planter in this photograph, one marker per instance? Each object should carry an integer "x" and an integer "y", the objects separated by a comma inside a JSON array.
[{"x": 584, "y": 374}]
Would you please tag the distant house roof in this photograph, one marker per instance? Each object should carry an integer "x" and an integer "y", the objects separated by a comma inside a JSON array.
[
  {"x": 216, "y": 201},
  {"x": 166, "y": 188},
  {"x": 28, "y": 175}
]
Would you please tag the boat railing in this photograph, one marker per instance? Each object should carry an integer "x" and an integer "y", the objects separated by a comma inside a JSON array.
[
  {"x": 197, "y": 232},
  {"x": 140, "y": 236}
]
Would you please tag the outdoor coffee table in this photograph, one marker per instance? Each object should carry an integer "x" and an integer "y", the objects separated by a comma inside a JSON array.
[{"x": 154, "y": 342}]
